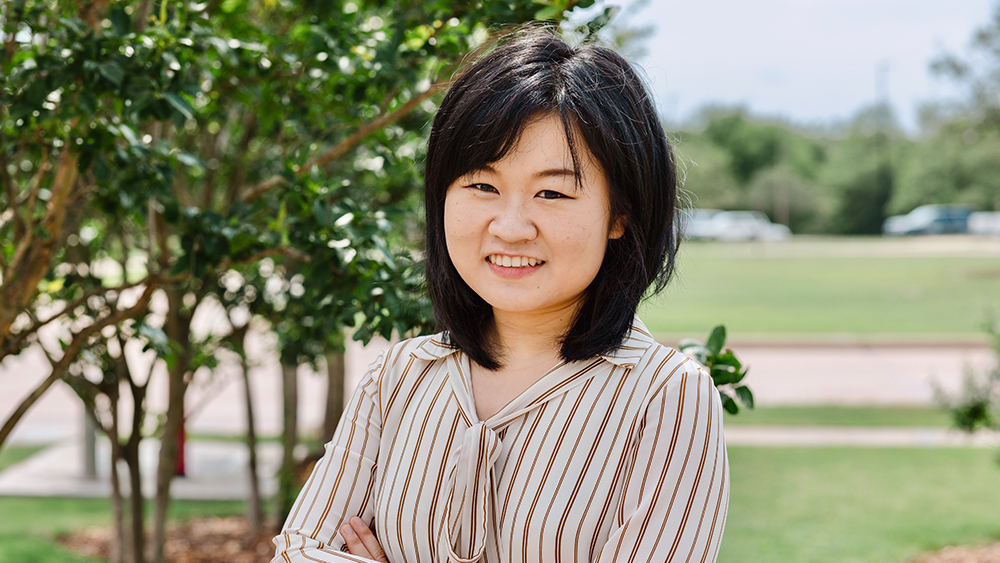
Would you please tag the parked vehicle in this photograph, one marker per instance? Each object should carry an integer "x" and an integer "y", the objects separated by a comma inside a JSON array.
[
  {"x": 696, "y": 223},
  {"x": 984, "y": 223},
  {"x": 929, "y": 220},
  {"x": 733, "y": 226}
]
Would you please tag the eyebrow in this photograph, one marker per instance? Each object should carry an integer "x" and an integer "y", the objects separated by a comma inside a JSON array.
[{"x": 551, "y": 172}]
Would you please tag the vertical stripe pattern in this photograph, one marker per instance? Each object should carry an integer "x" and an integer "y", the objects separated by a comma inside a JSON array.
[{"x": 616, "y": 459}]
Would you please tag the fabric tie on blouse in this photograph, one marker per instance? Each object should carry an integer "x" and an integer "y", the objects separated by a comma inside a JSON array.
[
  {"x": 469, "y": 509},
  {"x": 470, "y": 502}
]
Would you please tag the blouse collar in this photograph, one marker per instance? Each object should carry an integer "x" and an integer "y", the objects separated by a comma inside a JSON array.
[{"x": 636, "y": 342}]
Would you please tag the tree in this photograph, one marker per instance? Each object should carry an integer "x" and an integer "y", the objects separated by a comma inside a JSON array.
[
  {"x": 740, "y": 162},
  {"x": 957, "y": 164},
  {"x": 862, "y": 170},
  {"x": 751, "y": 146},
  {"x": 160, "y": 148},
  {"x": 979, "y": 74}
]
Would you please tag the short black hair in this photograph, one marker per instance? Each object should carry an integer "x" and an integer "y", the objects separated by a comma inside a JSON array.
[{"x": 600, "y": 99}]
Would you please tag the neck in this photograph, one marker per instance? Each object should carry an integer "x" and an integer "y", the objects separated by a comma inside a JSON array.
[{"x": 531, "y": 336}]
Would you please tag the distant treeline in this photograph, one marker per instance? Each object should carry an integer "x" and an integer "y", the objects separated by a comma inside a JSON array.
[{"x": 842, "y": 183}]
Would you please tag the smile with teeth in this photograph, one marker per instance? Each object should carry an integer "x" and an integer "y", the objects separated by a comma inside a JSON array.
[{"x": 513, "y": 261}]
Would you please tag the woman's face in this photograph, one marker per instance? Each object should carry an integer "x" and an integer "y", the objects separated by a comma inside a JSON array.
[{"x": 522, "y": 232}]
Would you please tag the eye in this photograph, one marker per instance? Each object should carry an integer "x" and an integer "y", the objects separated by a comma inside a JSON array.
[
  {"x": 484, "y": 188},
  {"x": 550, "y": 194}
]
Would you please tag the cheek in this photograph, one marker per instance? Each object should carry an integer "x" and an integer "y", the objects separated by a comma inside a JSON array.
[
  {"x": 452, "y": 218},
  {"x": 458, "y": 235}
]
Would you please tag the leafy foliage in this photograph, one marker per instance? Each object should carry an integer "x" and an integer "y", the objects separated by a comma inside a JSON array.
[
  {"x": 261, "y": 156},
  {"x": 726, "y": 370},
  {"x": 978, "y": 405}
]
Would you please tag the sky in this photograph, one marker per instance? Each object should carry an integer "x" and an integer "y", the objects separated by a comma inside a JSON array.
[{"x": 815, "y": 62}]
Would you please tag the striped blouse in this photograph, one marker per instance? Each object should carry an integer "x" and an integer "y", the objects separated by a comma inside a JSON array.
[{"x": 619, "y": 458}]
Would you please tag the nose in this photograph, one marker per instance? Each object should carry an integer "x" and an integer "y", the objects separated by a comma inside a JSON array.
[{"x": 512, "y": 224}]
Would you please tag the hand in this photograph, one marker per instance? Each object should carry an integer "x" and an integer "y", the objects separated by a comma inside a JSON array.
[{"x": 361, "y": 541}]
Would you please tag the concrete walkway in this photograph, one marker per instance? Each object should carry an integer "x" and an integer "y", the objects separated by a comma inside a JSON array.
[
  {"x": 839, "y": 436},
  {"x": 215, "y": 470},
  {"x": 799, "y": 375}
]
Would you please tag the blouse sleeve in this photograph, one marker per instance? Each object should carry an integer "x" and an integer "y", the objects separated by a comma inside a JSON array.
[
  {"x": 340, "y": 485},
  {"x": 676, "y": 495}
]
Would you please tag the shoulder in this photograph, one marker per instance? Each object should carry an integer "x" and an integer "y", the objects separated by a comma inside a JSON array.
[
  {"x": 640, "y": 353},
  {"x": 657, "y": 367},
  {"x": 394, "y": 361}
]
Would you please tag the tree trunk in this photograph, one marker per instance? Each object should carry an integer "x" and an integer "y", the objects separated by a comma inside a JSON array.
[
  {"x": 138, "y": 533},
  {"x": 131, "y": 538},
  {"x": 335, "y": 370},
  {"x": 136, "y": 529},
  {"x": 178, "y": 329},
  {"x": 286, "y": 475},
  {"x": 172, "y": 428},
  {"x": 255, "y": 512},
  {"x": 118, "y": 553}
]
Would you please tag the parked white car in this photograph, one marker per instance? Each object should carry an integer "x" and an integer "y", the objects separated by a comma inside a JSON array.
[
  {"x": 984, "y": 223},
  {"x": 696, "y": 223},
  {"x": 733, "y": 226}
]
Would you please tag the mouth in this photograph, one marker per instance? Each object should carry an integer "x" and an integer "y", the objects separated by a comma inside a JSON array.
[{"x": 513, "y": 261}]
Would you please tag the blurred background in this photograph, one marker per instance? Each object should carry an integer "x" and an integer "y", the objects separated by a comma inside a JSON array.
[{"x": 210, "y": 224}]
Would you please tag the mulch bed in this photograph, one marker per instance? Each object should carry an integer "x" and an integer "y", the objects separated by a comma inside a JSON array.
[
  {"x": 214, "y": 540},
  {"x": 981, "y": 554},
  {"x": 200, "y": 540}
]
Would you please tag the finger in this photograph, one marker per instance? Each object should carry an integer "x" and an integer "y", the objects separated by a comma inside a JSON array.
[
  {"x": 354, "y": 544},
  {"x": 369, "y": 540}
]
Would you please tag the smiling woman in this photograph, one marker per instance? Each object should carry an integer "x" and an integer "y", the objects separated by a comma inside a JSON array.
[{"x": 544, "y": 423}]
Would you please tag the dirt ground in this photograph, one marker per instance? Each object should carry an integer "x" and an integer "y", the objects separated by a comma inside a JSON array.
[
  {"x": 981, "y": 554},
  {"x": 200, "y": 540},
  {"x": 213, "y": 540}
]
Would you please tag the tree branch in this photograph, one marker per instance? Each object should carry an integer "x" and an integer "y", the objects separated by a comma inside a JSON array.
[
  {"x": 287, "y": 252},
  {"x": 37, "y": 185},
  {"x": 69, "y": 355},
  {"x": 347, "y": 144},
  {"x": 33, "y": 255},
  {"x": 13, "y": 345}
]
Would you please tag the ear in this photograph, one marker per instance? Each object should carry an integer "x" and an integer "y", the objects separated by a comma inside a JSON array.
[{"x": 618, "y": 227}]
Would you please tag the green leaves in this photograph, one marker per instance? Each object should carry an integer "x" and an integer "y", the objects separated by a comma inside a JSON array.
[
  {"x": 112, "y": 71},
  {"x": 716, "y": 340},
  {"x": 180, "y": 105},
  {"x": 724, "y": 367},
  {"x": 977, "y": 406},
  {"x": 121, "y": 22},
  {"x": 177, "y": 118}
]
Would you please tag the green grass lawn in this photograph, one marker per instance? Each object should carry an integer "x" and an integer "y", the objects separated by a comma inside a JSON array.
[
  {"x": 794, "y": 505},
  {"x": 842, "y": 416},
  {"x": 29, "y": 526},
  {"x": 858, "y": 505},
  {"x": 862, "y": 286}
]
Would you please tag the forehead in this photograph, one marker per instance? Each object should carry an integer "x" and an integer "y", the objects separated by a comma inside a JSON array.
[{"x": 546, "y": 148}]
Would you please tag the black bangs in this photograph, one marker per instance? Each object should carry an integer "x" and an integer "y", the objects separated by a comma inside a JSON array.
[
  {"x": 602, "y": 102},
  {"x": 492, "y": 104}
]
